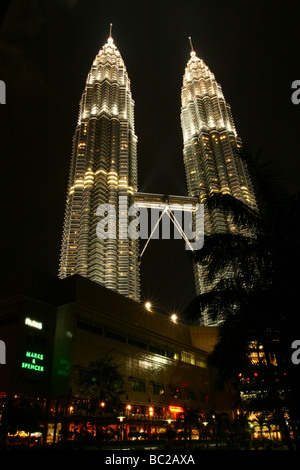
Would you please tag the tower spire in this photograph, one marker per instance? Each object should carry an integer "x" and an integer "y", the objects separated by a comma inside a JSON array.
[
  {"x": 193, "y": 53},
  {"x": 110, "y": 40}
]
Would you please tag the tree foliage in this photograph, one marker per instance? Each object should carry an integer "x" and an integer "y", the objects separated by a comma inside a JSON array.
[
  {"x": 102, "y": 383},
  {"x": 256, "y": 297}
]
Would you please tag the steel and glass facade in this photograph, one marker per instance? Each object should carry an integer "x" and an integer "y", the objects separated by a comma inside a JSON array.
[
  {"x": 103, "y": 172},
  {"x": 212, "y": 151}
]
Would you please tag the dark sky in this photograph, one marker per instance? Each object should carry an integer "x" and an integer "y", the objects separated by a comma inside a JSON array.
[{"x": 46, "y": 50}]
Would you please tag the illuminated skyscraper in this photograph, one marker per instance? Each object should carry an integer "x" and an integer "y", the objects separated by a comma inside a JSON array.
[
  {"x": 212, "y": 150},
  {"x": 103, "y": 171}
]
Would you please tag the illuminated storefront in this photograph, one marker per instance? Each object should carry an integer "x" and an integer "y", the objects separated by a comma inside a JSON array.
[{"x": 161, "y": 362}]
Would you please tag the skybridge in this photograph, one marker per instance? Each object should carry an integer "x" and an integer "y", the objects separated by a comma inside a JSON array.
[{"x": 173, "y": 206}]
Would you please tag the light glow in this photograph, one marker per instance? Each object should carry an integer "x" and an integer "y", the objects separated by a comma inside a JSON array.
[
  {"x": 33, "y": 323},
  {"x": 176, "y": 409}
]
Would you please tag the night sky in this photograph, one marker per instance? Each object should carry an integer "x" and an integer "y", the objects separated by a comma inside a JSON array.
[{"x": 47, "y": 48}]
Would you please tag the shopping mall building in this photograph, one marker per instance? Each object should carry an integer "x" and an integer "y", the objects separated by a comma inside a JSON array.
[{"x": 54, "y": 329}]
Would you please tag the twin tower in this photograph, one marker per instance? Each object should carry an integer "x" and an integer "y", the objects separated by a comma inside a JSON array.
[{"x": 103, "y": 180}]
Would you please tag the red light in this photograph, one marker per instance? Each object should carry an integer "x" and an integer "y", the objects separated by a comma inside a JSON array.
[
  {"x": 176, "y": 409},
  {"x": 255, "y": 374}
]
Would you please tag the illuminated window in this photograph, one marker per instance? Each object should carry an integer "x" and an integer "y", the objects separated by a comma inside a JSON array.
[
  {"x": 158, "y": 389},
  {"x": 187, "y": 357}
]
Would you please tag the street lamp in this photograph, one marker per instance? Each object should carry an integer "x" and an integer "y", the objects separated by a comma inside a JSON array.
[
  {"x": 205, "y": 423},
  {"x": 121, "y": 418},
  {"x": 174, "y": 318}
]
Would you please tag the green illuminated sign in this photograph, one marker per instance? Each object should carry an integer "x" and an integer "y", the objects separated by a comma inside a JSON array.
[
  {"x": 35, "y": 363},
  {"x": 65, "y": 367}
]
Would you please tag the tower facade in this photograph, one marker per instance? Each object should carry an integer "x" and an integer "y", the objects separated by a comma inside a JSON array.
[
  {"x": 103, "y": 180},
  {"x": 212, "y": 150}
]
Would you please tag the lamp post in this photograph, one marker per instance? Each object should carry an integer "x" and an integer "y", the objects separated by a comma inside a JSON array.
[
  {"x": 151, "y": 413},
  {"x": 205, "y": 423},
  {"x": 121, "y": 419}
]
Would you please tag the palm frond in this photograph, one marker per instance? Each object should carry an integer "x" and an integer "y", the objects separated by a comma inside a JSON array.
[
  {"x": 240, "y": 213},
  {"x": 217, "y": 301},
  {"x": 229, "y": 355},
  {"x": 238, "y": 255}
]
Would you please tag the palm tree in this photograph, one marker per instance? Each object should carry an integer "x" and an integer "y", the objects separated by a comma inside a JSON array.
[{"x": 252, "y": 299}]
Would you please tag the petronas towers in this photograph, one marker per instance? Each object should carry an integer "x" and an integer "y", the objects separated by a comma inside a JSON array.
[
  {"x": 103, "y": 173},
  {"x": 212, "y": 151}
]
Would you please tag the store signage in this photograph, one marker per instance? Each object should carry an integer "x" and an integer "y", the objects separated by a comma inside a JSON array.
[
  {"x": 176, "y": 409},
  {"x": 33, "y": 323},
  {"x": 34, "y": 361}
]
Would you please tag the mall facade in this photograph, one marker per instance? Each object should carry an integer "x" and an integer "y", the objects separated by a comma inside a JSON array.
[{"x": 54, "y": 329}]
